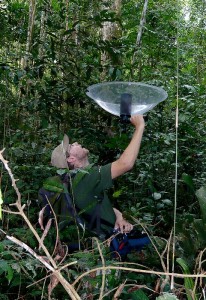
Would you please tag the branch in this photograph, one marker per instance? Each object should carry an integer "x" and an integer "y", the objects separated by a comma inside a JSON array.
[{"x": 103, "y": 271}]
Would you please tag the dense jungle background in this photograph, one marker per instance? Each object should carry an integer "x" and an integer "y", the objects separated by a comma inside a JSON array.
[{"x": 50, "y": 52}]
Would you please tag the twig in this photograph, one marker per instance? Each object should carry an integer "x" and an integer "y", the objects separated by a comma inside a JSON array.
[
  {"x": 11, "y": 212},
  {"x": 127, "y": 285},
  {"x": 199, "y": 268},
  {"x": 56, "y": 225},
  {"x": 167, "y": 248},
  {"x": 5, "y": 162},
  {"x": 119, "y": 290},
  {"x": 178, "y": 275},
  {"x": 103, "y": 271}
]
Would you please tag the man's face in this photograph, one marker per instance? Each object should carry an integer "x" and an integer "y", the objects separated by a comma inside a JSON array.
[{"x": 76, "y": 150}]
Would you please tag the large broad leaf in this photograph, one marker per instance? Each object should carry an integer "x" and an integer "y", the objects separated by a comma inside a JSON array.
[
  {"x": 5, "y": 267},
  {"x": 54, "y": 184},
  {"x": 201, "y": 195},
  {"x": 200, "y": 229},
  {"x": 188, "y": 282}
]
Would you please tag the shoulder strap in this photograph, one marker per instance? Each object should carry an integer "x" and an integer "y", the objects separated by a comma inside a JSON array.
[
  {"x": 70, "y": 206},
  {"x": 96, "y": 217}
]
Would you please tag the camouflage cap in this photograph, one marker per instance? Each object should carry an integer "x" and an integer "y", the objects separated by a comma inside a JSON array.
[{"x": 59, "y": 155}]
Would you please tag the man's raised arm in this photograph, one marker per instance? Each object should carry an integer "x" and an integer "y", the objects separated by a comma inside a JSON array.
[{"x": 127, "y": 159}]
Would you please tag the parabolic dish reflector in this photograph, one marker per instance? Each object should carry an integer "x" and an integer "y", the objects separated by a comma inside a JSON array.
[{"x": 143, "y": 96}]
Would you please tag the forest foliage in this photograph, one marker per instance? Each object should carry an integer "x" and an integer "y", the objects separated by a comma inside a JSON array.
[{"x": 50, "y": 52}]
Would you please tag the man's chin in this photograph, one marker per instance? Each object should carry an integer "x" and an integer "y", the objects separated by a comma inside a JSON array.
[{"x": 71, "y": 166}]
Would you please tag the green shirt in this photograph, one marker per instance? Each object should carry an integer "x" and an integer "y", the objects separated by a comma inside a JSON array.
[{"x": 91, "y": 188}]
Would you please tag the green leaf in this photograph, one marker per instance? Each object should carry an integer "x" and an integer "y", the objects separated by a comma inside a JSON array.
[
  {"x": 5, "y": 267},
  {"x": 190, "y": 88},
  {"x": 167, "y": 296},
  {"x": 157, "y": 196},
  {"x": 117, "y": 193},
  {"x": 188, "y": 282},
  {"x": 188, "y": 180},
  {"x": 16, "y": 267},
  {"x": 201, "y": 195},
  {"x": 200, "y": 229},
  {"x": 31, "y": 266},
  {"x": 53, "y": 184},
  {"x": 139, "y": 295},
  {"x": 10, "y": 274},
  {"x": 62, "y": 171},
  {"x": 167, "y": 202}
]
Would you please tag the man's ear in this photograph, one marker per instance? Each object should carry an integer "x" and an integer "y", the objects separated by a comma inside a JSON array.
[{"x": 71, "y": 159}]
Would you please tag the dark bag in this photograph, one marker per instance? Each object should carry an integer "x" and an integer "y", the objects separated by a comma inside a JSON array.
[{"x": 124, "y": 243}]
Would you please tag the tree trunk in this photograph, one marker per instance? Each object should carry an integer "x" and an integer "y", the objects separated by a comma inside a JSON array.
[
  {"x": 42, "y": 36},
  {"x": 32, "y": 11}
]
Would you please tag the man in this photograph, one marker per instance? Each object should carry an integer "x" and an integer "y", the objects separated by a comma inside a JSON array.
[{"x": 91, "y": 188}]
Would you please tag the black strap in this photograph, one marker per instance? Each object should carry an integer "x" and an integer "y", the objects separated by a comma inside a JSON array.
[
  {"x": 45, "y": 194},
  {"x": 70, "y": 206},
  {"x": 57, "y": 198},
  {"x": 96, "y": 214},
  {"x": 87, "y": 217}
]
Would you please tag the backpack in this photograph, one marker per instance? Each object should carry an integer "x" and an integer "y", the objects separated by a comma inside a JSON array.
[{"x": 56, "y": 196}]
